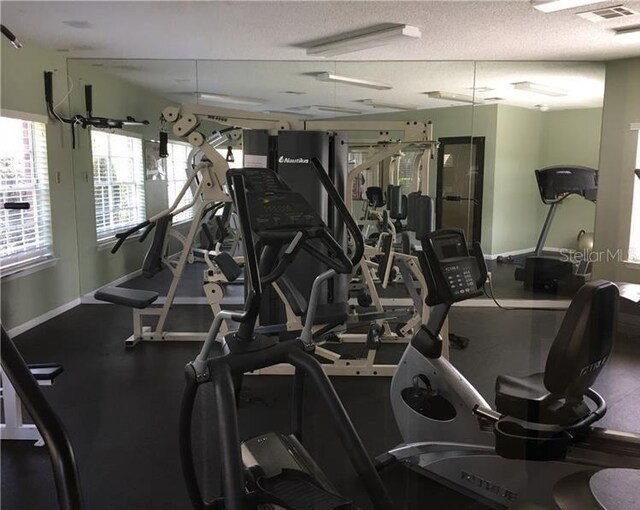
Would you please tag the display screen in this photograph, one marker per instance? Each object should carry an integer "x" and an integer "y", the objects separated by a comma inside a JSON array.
[{"x": 449, "y": 248}]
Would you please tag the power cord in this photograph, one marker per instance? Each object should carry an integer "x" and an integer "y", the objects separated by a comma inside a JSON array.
[{"x": 511, "y": 308}]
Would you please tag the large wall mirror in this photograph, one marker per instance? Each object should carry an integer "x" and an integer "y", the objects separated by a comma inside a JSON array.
[
  {"x": 532, "y": 115},
  {"x": 495, "y": 124}
]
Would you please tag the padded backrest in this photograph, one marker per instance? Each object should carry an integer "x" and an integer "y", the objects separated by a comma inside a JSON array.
[
  {"x": 374, "y": 196},
  {"x": 585, "y": 340},
  {"x": 412, "y": 211},
  {"x": 152, "y": 263},
  {"x": 386, "y": 241},
  {"x": 424, "y": 211},
  {"x": 222, "y": 222},
  {"x": 395, "y": 203}
]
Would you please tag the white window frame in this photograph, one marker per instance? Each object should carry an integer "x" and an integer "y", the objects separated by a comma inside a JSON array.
[
  {"x": 106, "y": 236},
  {"x": 176, "y": 172},
  {"x": 38, "y": 254},
  {"x": 634, "y": 232}
]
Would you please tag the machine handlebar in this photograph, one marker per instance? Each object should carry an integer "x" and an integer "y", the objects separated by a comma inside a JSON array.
[
  {"x": 122, "y": 236},
  {"x": 343, "y": 212},
  {"x": 16, "y": 205}
]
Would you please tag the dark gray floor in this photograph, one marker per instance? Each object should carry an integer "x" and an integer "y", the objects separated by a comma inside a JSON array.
[
  {"x": 504, "y": 285},
  {"x": 121, "y": 409}
]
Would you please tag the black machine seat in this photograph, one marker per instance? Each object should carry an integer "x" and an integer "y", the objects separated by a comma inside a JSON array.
[
  {"x": 326, "y": 313},
  {"x": 229, "y": 267},
  {"x": 578, "y": 355},
  {"x": 128, "y": 297},
  {"x": 525, "y": 398}
]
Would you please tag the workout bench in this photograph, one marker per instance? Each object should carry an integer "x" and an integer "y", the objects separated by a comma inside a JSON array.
[{"x": 13, "y": 428}]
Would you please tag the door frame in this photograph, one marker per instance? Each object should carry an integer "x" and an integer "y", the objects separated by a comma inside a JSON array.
[{"x": 479, "y": 143}]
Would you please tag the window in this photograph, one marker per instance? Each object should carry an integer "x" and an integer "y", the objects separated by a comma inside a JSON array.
[
  {"x": 634, "y": 241},
  {"x": 118, "y": 180},
  {"x": 176, "y": 172},
  {"x": 25, "y": 235}
]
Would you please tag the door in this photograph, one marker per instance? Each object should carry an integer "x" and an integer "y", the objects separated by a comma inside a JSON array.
[{"x": 459, "y": 185}]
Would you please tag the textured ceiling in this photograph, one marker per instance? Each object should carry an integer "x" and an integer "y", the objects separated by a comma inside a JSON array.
[
  {"x": 504, "y": 30},
  {"x": 256, "y": 49}
]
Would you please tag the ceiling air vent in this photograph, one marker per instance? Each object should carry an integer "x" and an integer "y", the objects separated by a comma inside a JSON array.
[{"x": 607, "y": 13}]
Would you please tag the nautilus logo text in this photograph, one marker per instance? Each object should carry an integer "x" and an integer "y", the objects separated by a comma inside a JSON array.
[{"x": 282, "y": 159}]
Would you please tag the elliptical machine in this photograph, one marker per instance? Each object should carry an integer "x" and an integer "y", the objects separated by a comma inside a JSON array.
[
  {"x": 273, "y": 470},
  {"x": 538, "y": 449}
]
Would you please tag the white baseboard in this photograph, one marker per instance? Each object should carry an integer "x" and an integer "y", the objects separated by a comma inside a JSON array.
[
  {"x": 524, "y": 251},
  {"x": 13, "y": 332},
  {"x": 88, "y": 298},
  {"x": 514, "y": 253}
]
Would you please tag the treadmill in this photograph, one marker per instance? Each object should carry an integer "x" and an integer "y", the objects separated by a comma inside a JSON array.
[{"x": 552, "y": 272}]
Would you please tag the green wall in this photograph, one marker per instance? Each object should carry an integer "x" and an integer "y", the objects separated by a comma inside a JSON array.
[
  {"x": 516, "y": 200},
  {"x": 617, "y": 161},
  {"x": 81, "y": 267},
  {"x": 114, "y": 98},
  {"x": 571, "y": 137},
  {"x": 24, "y": 298}
]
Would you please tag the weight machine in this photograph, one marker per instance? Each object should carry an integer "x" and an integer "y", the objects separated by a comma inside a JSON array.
[{"x": 209, "y": 181}]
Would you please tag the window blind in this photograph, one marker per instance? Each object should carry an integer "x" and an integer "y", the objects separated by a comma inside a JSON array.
[
  {"x": 25, "y": 235},
  {"x": 118, "y": 180},
  {"x": 177, "y": 172}
]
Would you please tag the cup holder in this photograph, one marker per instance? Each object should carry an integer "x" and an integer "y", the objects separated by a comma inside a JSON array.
[{"x": 517, "y": 439}]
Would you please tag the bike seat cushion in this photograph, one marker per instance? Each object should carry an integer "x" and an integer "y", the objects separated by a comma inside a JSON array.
[
  {"x": 526, "y": 398},
  {"x": 521, "y": 397}
]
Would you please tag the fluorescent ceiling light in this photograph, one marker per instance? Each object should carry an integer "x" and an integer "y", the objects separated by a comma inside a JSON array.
[
  {"x": 537, "y": 88},
  {"x": 381, "y": 104},
  {"x": 336, "y": 109},
  {"x": 561, "y": 5},
  {"x": 348, "y": 80},
  {"x": 451, "y": 96},
  {"x": 373, "y": 37},
  {"x": 223, "y": 98},
  {"x": 481, "y": 89},
  {"x": 284, "y": 112},
  {"x": 628, "y": 35}
]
